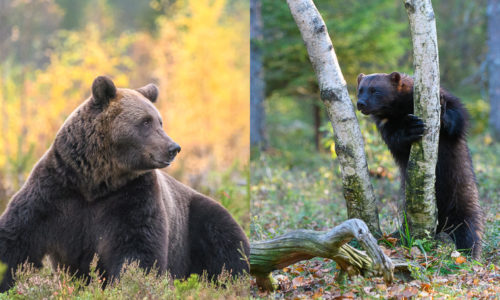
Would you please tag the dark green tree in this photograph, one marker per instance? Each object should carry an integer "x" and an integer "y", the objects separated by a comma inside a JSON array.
[{"x": 370, "y": 36}]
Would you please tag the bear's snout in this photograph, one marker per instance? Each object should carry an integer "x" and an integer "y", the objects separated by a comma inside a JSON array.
[
  {"x": 173, "y": 150},
  {"x": 165, "y": 154}
]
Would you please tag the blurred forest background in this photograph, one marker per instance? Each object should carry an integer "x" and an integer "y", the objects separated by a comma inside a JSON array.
[
  {"x": 196, "y": 51},
  {"x": 368, "y": 37},
  {"x": 295, "y": 182}
]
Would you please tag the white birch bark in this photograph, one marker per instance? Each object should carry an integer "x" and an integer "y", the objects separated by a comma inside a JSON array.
[
  {"x": 420, "y": 184},
  {"x": 349, "y": 145}
]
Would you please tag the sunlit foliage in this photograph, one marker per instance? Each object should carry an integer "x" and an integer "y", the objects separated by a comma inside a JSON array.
[
  {"x": 203, "y": 66},
  {"x": 198, "y": 54}
]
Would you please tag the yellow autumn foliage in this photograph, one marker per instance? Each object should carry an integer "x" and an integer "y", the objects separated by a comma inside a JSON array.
[
  {"x": 33, "y": 110},
  {"x": 203, "y": 66},
  {"x": 199, "y": 58}
]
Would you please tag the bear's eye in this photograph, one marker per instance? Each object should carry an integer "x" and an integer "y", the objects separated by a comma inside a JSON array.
[
  {"x": 372, "y": 90},
  {"x": 147, "y": 122},
  {"x": 361, "y": 90}
]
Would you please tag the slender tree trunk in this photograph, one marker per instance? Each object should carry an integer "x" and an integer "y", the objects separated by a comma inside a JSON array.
[
  {"x": 257, "y": 112},
  {"x": 266, "y": 256},
  {"x": 420, "y": 184},
  {"x": 493, "y": 12},
  {"x": 349, "y": 145},
  {"x": 317, "y": 124}
]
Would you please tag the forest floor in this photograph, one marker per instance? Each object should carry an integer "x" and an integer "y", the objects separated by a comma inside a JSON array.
[{"x": 294, "y": 189}]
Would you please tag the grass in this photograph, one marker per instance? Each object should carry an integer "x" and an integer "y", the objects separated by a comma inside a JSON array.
[
  {"x": 231, "y": 189},
  {"x": 135, "y": 283}
]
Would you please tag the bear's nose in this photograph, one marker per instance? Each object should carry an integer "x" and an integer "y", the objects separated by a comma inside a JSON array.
[{"x": 174, "y": 149}]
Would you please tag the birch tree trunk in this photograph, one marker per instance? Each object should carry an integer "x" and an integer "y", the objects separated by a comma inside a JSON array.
[
  {"x": 349, "y": 145},
  {"x": 266, "y": 256},
  {"x": 420, "y": 183},
  {"x": 257, "y": 112},
  {"x": 493, "y": 12}
]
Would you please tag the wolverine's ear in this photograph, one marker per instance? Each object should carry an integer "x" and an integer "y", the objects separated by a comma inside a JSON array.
[
  {"x": 103, "y": 90},
  {"x": 395, "y": 77},
  {"x": 360, "y": 76},
  {"x": 149, "y": 91}
]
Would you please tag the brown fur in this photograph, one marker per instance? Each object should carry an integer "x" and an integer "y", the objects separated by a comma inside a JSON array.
[
  {"x": 388, "y": 98},
  {"x": 98, "y": 190}
]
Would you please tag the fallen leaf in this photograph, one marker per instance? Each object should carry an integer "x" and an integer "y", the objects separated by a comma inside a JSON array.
[
  {"x": 415, "y": 252},
  {"x": 392, "y": 240},
  {"x": 426, "y": 287},
  {"x": 409, "y": 292},
  {"x": 317, "y": 274},
  {"x": 318, "y": 294},
  {"x": 460, "y": 260},
  {"x": 423, "y": 294},
  {"x": 297, "y": 281},
  {"x": 348, "y": 295}
]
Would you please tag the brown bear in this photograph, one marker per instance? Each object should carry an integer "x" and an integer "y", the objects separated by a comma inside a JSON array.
[
  {"x": 388, "y": 98},
  {"x": 99, "y": 190}
]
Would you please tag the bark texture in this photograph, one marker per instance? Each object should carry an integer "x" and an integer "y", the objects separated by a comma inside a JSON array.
[
  {"x": 493, "y": 12},
  {"x": 257, "y": 112},
  {"x": 420, "y": 185},
  {"x": 266, "y": 256},
  {"x": 349, "y": 145}
]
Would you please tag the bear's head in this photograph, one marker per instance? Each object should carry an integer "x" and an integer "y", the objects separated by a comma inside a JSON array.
[
  {"x": 115, "y": 135},
  {"x": 383, "y": 95},
  {"x": 134, "y": 125}
]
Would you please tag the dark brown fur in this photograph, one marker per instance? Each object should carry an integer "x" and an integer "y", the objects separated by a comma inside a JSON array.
[
  {"x": 98, "y": 190},
  {"x": 388, "y": 98}
]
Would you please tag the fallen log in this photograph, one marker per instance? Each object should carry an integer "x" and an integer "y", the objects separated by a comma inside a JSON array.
[{"x": 269, "y": 255}]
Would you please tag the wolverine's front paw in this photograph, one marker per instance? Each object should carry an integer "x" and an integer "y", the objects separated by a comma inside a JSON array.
[{"x": 414, "y": 128}]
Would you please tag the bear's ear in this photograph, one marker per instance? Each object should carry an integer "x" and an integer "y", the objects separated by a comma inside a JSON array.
[
  {"x": 395, "y": 77},
  {"x": 360, "y": 76},
  {"x": 149, "y": 91},
  {"x": 103, "y": 90}
]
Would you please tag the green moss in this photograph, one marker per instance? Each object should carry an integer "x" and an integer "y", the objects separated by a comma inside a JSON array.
[{"x": 421, "y": 214}]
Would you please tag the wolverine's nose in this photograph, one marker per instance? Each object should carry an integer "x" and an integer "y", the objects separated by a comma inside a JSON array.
[
  {"x": 174, "y": 149},
  {"x": 361, "y": 105}
]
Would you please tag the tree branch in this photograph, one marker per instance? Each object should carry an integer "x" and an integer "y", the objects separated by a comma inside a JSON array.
[{"x": 266, "y": 256}]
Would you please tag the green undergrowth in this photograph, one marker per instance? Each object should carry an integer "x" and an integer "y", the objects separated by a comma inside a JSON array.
[
  {"x": 307, "y": 194},
  {"x": 295, "y": 186},
  {"x": 231, "y": 189},
  {"x": 134, "y": 283}
]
